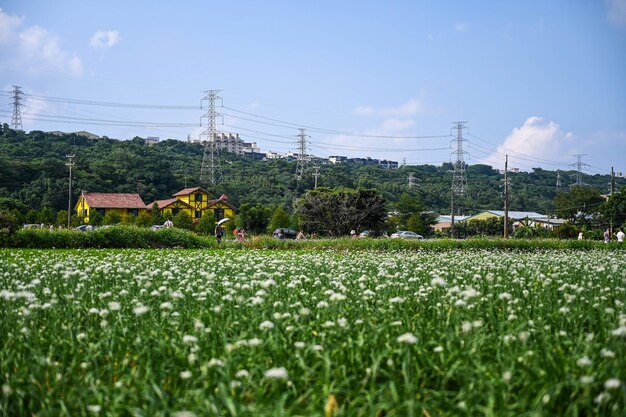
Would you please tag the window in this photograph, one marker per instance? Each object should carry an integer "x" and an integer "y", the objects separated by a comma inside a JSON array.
[
  {"x": 198, "y": 214},
  {"x": 198, "y": 197},
  {"x": 100, "y": 211},
  {"x": 175, "y": 211},
  {"x": 132, "y": 212},
  {"x": 218, "y": 213}
]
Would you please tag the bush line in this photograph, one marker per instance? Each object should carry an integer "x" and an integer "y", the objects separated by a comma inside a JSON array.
[{"x": 136, "y": 237}]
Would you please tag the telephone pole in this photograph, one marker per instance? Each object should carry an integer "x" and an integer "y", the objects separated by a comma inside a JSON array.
[
  {"x": 302, "y": 154},
  {"x": 316, "y": 173},
  {"x": 211, "y": 169},
  {"x": 459, "y": 180},
  {"x": 612, "y": 183},
  {"x": 70, "y": 164},
  {"x": 16, "y": 119},
  {"x": 506, "y": 197}
]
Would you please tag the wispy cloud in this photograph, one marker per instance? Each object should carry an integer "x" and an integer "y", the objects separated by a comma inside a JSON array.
[
  {"x": 105, "y": 38},
  {"x": 411, "y": 108},
  {"x": 34, "y": 48},
  {"x": 616, "y": 12},
  {"x": 461, "y": 26}
]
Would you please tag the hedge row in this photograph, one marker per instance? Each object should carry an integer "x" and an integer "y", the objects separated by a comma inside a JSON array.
[{"x": 135, "y": 237}]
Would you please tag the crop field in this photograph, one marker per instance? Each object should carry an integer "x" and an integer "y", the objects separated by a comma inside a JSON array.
[{"x": 241, "y": 332}]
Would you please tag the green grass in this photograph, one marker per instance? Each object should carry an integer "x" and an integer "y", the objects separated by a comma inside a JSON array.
[{"x": 514, "y": 332}]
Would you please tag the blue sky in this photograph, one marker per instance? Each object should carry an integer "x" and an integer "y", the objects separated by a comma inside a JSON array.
[{"x": 539, "y": 80}]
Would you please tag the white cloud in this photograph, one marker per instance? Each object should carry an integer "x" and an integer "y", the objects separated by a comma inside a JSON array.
[
  {"x": 397, "y": 124},
  {"x": 461, "y": 26},
  {"x": 34, "y": 49},
  {"x": 616, "y": 12},
  {"x": 105, "y": 38},
  {"x": 536, "y": 138},
  {"x": 364, "y": 111}
]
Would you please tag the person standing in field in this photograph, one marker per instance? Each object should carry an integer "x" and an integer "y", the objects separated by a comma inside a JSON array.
[
  {"x": 580, "y": 235},
  {"x": 620, "y": 236},
  {"x": 607, "y": 236},
  {"x": 168, "y": 223},
  {"x": 218, "y": 234},
  {"x": 241, "y": 234},
  {"x": 300, "y": 235}
]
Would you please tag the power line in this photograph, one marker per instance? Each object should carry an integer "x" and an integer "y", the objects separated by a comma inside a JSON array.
[{"x": 112, "y": 104}]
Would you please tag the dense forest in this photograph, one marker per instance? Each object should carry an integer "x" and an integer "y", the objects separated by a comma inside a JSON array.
[{"x": 33, "y": 170}]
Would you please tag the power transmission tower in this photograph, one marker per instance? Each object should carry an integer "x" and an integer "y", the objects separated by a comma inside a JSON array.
[
  {"x": 316, "y": 173},
  {"x": 459, "y": 180},
  {"x": 70, "y": 164},
  {"x": 211, "y": 169},
  {"x": 411, "y": 181},
  {"x": 16, "y": 120},
  {"x": 302, "y": 154},
  {"x": 579, "y": 170},
  {"x": 558, "y": 181}
]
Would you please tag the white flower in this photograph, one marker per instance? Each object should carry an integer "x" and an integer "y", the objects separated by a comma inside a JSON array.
[
  {"x": 114, "y": 306},
  {"x": 506, "y": 376},
  {"x": 94, "y": 408},
  {"x": 437, "y": 281},
  {"x": 322, "y": 304},
  {"x": 185, "y": 374},
  {"x": 166, "y": 306},
  {"x": 242, "y": 374},
  {"x": 190, "y": 340},
  {"x": 7, "y": 390},
  {"x": 140, "y": 310},
  {"x": 606, "y": 353},
  {"x": 466, "y": 326},
  {"x": 254, "y": 342},
  {"x": 268, "y": 283},
  {"x": 438, "y": 349},
  {"x": 586, "y": 379},
  {"x": 266, "y": 325},
  {"x": 184, "y": 413},
  {"x": 337, "y": 297},
  {"x": 81, "y": 336},
  {"x": 612, "y": 383},
  {"x": 408, "y": 338},
  {"x": 276, "y": 373},
  {"x": 584, "y": 361},
  {"x": 505, "y": 296},
  {"x": 620, "y": 331},
  {"x": 215, "y": 363},
  {"x": 396, "y": 300},
  {"x": 299, "y": 345}
]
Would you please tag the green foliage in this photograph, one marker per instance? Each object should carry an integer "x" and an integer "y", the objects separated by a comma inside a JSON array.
[
  {"x": 110, "y": 218},
  {"x": 255, "y": 219},
  {"x": 31, "y": 216},
  {"x": 579, "y": 205},
  {"x": 155, "y": 213},
  {"x": 567, "y": 230},
  {"x": 96, "y": 219},
  {"x": 206, "y": 225},
  {"x": 61, "y": 218},
  {"x": 12, "y": 204},
  {"x": 46, "y": 216},
  {"x": 280, "y": 218},
  {"x": 144, "y": 219},
  {"x": 526, "y": 232},
  {"x": 493, "y": 226},
  {"x": 183, "y": 221},
  {"x": 614, "y": 209},
  {"x": 8, "y": 222},
  {"x": 128, "y": 220},
  {"x": 335, "y": 212}
]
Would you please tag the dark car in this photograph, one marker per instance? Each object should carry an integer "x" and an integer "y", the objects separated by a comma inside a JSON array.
[{"x": 283, "y": 233}]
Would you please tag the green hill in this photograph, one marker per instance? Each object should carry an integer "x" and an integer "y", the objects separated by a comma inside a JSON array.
[{"x": 33, "y": 170}]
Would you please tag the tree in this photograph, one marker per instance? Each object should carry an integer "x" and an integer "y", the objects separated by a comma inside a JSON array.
[
  {"x": 336, "y": 212},
  {"x": 206, "y": 225},
  {"x": 155, "y": 213},
  {"x": 614, "y": 209},
  {"x": 144, "y": 219},
  {"x": 413, "y": 216},
  {"x": 579, "y": 205},
  {"x": 110, "y": 218},
  {"x": 61, "y": 218},
  {"x": 254, "y": 218},
  {"x": 8, "y": 222},
  {"x": 280, "y": 218},
  {"x": 95, "y": 218},
  {"x": 182, "y": 220},
  {"x": 46, "y": 216}
]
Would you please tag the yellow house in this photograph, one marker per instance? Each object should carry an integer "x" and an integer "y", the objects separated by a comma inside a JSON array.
[
  {"x": 104, "y": 203},
  {"x": 171, "y": 207},
  {"x": 199, "y": 200}
]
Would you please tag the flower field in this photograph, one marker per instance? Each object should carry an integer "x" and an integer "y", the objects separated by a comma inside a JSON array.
[{"x": 312, "y": 333}]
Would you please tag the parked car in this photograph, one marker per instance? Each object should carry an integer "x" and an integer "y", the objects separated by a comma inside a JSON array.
[
  {"x": 372, "y": 234},
  {"x": 283, "y": 233},
  {"x": 84, "y": 227},
  {"x": 405, "y": 234},
  {"x": 157, "y": 227}
]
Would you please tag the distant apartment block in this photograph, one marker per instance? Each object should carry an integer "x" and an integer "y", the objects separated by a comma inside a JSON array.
[
  {"x": 152, "y": 140},
  {"x": 383, "y": 163}
]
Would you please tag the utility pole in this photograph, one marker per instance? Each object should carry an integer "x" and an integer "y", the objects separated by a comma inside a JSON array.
[
  {"x": 612, "y": 189},
  {"x": 506, "y": 197},
  {"x": 302, "y": 154},
  {"x": 211, "y": 169},
  {"x": 16, "y": 120},
  {"x": 316, "y": 173},
  {"x": 459, "y": 180},
  {"x": 70, "y": 164}
]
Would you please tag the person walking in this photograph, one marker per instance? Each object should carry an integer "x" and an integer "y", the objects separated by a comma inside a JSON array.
[
  {"x": 620, "y": 236},
  {"x": 241, "y": 234}
]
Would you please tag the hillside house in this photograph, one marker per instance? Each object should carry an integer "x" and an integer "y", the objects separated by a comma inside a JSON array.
[{"x": 195, "y": 202}]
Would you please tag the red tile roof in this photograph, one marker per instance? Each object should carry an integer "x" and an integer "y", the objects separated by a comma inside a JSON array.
[
  {"x": 165, "y": 203},
  {"x": 114, "y": 200},
  {"x": 188, "y": 191},
  {"x": 223, "y": 199}
]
